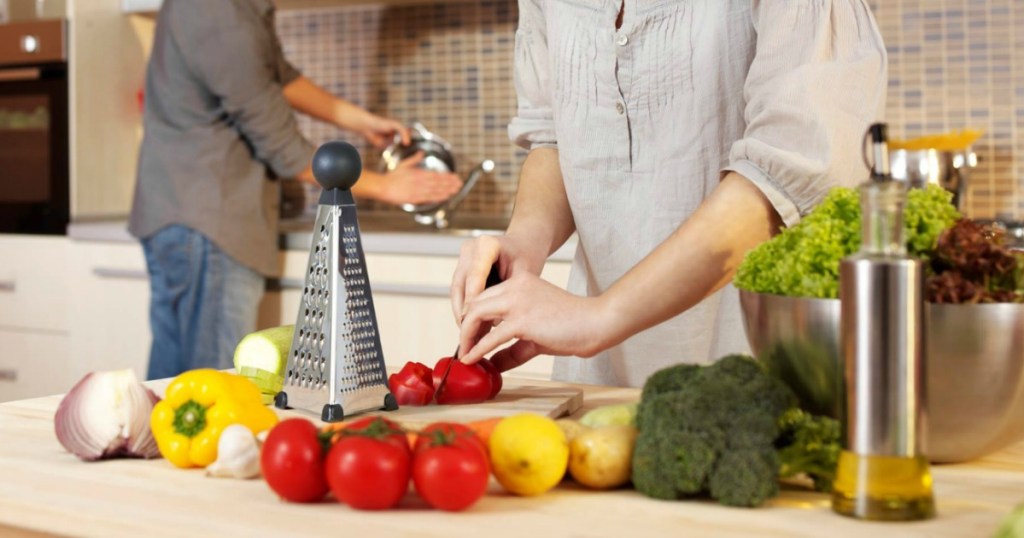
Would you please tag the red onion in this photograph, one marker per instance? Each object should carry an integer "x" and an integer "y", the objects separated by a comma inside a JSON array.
[{"x": 106, "y": 415}]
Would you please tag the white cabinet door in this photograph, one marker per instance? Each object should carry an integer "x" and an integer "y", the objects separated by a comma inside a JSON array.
[
  {"x": 33, "y": 282},
  {"x": 34, "y": 364},
  {"x": 109, "y": 308}
]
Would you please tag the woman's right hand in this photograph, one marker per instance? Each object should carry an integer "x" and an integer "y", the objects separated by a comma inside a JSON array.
[
  {"x": 475, "y": 260},
  {"x": 410, "y": 184}
]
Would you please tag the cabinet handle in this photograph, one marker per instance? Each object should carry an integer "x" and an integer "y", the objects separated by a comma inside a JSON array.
[
  {"x": 387, "y": 288},
  {"x": 109, "y": 272},
  {"x": 8, "y": 375},
  {"x": 7, "y": 285}
]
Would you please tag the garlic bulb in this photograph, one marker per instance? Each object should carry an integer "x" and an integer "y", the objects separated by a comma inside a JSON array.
[{"x": 238, "y": 455}]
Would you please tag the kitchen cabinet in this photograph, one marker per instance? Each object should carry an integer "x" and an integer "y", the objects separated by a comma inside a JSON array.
[
  {"x": 34, "y": 340},
  {"x": 33, "y": 283},
  {"x": 34, "y": 364},
  {"x": 109, "y": 308}
]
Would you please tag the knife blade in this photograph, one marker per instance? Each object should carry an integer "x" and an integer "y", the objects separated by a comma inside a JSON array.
[{"x": 493, "y": 278}]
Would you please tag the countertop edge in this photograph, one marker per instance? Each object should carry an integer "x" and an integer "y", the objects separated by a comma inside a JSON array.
[{"x": 402, "y": 243}]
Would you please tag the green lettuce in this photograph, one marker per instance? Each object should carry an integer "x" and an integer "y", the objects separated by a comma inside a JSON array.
[{"x": 803, "y": 261}]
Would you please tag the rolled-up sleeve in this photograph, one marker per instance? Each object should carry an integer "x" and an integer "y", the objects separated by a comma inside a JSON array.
[
  {"x": 533, "y": 126},
  {"x": 817, "y": 80},
  {"x": 237, "y": 63}
]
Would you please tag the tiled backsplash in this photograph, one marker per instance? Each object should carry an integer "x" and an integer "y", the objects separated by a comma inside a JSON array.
[
  {"x": 953, "y": 64},
  {"x": 446, "y": 65}
]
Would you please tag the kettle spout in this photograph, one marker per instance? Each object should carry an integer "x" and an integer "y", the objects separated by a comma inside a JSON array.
[{"x": 453, "y": 203}]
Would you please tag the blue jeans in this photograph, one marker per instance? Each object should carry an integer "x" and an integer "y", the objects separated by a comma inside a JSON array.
[{"x": 202, "y": 302}]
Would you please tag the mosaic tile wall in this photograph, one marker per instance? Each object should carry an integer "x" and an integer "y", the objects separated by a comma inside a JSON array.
[
  {"x": 446, "y": 65},
  {"x": 953, "y": 64},
  {"x": 957, "y": 64}
]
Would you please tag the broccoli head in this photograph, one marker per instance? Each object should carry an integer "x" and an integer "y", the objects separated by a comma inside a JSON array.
[
  {"x": 808, "y": 444},
  {"x": 717, "y": 429}
]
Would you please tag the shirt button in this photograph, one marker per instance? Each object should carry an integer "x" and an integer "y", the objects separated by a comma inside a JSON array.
[
  {"x": 622, "y": 40},
  {"x": 619, "y": 108}
]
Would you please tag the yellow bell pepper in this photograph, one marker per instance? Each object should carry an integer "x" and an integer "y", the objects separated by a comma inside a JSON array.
[{"x": 198, "y": 405}]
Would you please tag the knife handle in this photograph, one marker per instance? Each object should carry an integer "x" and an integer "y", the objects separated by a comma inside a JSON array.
[{"x": 494, "y": 277}]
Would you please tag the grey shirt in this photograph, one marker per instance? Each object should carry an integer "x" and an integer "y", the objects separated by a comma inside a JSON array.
[{"x": 218, "y": 130}]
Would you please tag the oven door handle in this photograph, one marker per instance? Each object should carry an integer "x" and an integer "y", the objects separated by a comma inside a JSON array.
[{"x": 28, "y": 73}]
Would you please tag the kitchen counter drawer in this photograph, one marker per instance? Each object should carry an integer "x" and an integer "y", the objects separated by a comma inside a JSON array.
[
  {"x": 34, "y": 364},
  {"x": 33, "y": 282}
]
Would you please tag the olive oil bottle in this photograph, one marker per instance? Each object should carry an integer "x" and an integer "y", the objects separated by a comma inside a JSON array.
[{"x": 883, "y": 473}]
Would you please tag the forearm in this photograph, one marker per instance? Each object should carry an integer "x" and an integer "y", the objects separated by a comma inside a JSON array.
[
  {"x": 698, "y": 259},
  {"x": 306, "y": 97},
  {"x": 541, "y": 218}
]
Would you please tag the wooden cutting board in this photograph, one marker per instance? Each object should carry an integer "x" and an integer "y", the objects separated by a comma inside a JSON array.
[{"x": 517, "y": 396}]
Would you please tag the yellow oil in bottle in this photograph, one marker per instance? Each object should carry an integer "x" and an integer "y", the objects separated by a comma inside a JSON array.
[{"x": 884, "y": 488}]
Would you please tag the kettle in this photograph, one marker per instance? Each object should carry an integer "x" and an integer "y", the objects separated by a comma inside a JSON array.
[
  {"x": 948, "y": 169},
  {"x": 438, "y": 156}
]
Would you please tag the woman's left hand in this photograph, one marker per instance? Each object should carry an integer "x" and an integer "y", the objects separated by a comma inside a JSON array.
[{"x": 543, "y": 318}]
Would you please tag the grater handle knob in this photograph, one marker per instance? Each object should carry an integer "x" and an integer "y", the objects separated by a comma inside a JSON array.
[{"x": 337, "y": 165}]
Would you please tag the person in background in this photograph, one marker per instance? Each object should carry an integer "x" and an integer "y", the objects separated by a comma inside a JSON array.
[
  {"x": 671, "y": 138},
  {"x": 219, "y": 129}
]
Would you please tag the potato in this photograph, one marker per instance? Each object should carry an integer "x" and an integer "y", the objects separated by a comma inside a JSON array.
[
  {"x": 571, "y": 428},
  {"x": 601, "y": 458}
]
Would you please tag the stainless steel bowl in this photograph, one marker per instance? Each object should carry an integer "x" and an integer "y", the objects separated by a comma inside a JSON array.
[{"x": 975, "y": 366}]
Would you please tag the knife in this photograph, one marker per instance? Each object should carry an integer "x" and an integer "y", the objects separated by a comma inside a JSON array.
[{"x": 493, "y": 278}]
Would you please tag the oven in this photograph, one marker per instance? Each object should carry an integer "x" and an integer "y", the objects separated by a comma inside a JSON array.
[{"x": 34, "y": 153}]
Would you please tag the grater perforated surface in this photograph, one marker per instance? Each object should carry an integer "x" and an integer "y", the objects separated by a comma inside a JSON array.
[{"x": 336, "y": 357}]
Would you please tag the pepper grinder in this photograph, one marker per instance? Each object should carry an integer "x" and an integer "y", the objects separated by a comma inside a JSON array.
[{"x": 883, "y": 473}]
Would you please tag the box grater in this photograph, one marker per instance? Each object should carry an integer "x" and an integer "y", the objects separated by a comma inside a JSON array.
[{"x": 335, "y": 364}]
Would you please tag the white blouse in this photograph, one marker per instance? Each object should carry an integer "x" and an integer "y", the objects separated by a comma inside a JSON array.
[{"x": 649, "y": 117}]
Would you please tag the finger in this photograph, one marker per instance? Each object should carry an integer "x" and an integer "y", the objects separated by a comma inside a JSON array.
[
  {"x": 482, "y": 312},
  {"x": 515, "y": 355},
  {"x": 457, "y": 290},
  {"x": 488, "y": 250},
  {"x": 402, "y": 130},
  {"x": 497, "y": 337}
]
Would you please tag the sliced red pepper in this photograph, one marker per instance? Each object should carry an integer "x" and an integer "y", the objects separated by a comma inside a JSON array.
[
  {"x": 412, "y": 385},
  {"x": 467, "y": 383}
]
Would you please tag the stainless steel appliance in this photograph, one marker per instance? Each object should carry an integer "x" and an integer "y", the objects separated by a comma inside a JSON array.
[{"x": 34, "y": 171}]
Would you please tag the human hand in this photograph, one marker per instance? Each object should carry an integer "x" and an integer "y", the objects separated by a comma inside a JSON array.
[
  {"x": 379, "y": 131},
  {"x": 410, "y": 184},
  {"x": 540, "y": 317},
  {"x": 476, "y": 258}
]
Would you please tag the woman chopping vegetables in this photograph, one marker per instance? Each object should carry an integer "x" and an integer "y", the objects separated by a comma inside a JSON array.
[{"x": 671, "y": 137}]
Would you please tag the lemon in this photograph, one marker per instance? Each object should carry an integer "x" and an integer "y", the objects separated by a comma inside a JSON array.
[{"x": 529, "y": 454}]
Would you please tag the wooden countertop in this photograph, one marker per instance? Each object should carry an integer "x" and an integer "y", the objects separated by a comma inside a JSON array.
[{"x": 43, "y": 488}]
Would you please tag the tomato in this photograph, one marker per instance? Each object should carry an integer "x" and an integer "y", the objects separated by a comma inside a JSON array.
[
  {"x": 495, "y": 374},
  {"x": 452, "y": 433},
  {"x": 467, "y": 383},
  {"x": 412, "y": 385},
  {"x": 379, "y": 428},
  {"x": 448, "y": 473},
  {"x": 292, "y": 461},
  {"x": 368, "y": 473}
]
